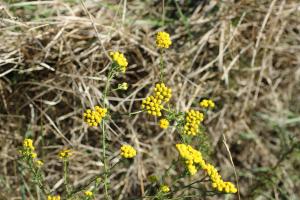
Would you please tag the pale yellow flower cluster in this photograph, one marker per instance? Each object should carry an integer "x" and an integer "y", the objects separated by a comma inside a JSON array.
[
  {"x": 128, "y": 151},
  {"x": 163, "y": 123},
  {"x": 193, "y": 120},
  {"x": 88, "y": 193},
  {"x": 164, "y": 188},
  {"x": 28, "y": 151},
  {"x": 65, "y": 154},
  {"x": 120, "y": 60},
  {"x": 154, "y": 103},
  {"x": 207, "y": 103},
  {"x": 94, "y": 117},
  {"x": 194, "y": 161},
  {"x": 163, "y": 40},
  {"x": 53, "y": 197}
]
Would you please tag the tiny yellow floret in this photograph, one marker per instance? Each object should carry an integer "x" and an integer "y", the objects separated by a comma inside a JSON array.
[
  {"x": 123, "y": 86},
  {"x": 164, "y": 188},
  {"x": 128, "y": 151},
  {"x": 164, "y": 123},
  {"x": 65, "y": 154},
  {"x": 88, "y": 193},
  {"x": 39, "y": 163},
  {"x": 53, "y": 197},
  {"x": 163, "y": 40},
  {"x": 120, "y": 60},
  {"x": 207, "y": 103}
]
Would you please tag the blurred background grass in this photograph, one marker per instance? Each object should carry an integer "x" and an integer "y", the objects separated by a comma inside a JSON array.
[{"x": 243, "y": 54}]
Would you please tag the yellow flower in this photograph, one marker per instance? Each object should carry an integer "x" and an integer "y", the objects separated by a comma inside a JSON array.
[
  {"x": 123, "y": 86},
  {"x": 207, "y": 103},
  {"x": 39, "y": 163},
  {"x": 88, "y": 193},
  {"x": 194, "y": 160},
  {"x": 33, "y": 155},
  {"x": 193, "y": 120},
  {"x": 28, "y": 149},
  {"x": 164, "y": 188},
  {"x": 28, "y": 144},
  {"x": 65, "y": 154},
  {"x": 53, "y": 197},
  {"x": 127, "y": 151},
  {"x": 120, "y": 59},
  {"x": 163, "y": 40},
  {"x": 94, "y": 117},
  {"x": 162, "y": 92},
  {"x": 152, "y": 106},
  {"x": 164, "y": 123}
]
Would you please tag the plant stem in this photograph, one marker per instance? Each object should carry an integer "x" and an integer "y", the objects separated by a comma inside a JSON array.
[
  {"x": 161, "y": 66},
  {"x": 66, "y": 177},
  {"x": 104, "y": 159},
  {"x": 111, "y": 74}
]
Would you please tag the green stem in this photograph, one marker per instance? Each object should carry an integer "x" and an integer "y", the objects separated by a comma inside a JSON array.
[
  {"x": 161, "y": 66},
  {"x": 66, "y": 177},
  {"x": 111, "y": 74},
  {"x": 104, "y": 159}
]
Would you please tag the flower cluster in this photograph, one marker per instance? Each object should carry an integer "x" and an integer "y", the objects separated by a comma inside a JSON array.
[
  {"x": 127, "y": 151},
  {"x": 123, "y": 86},
  {"x": 28, "y": 151},
  {"x": 28, "y": 148},
  {"x": 163, "y": 40},
  {"x": 193, "y": 119},
  {"x": 163, "y": 123},
  {"x": 88, "y": 193},
  {"x": 153, "y": 104},
  {"x": 120, "y": 60},
  {"x": 207, "y": 103},
  {"x": 94, "y": 117},
  {"x": 217, "y": 181},
  {"x": 194, "y": 160},
  {"x": 164, "y": 188},
  {"x": 162, "y": 92},
  {"x": 53, "y": 197},
  {"x": 65, "y": 154},
  {"x": 191, "y": 156}
]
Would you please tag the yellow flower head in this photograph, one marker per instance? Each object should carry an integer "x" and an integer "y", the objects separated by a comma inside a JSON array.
[
  {"x": 163, "y": 40},
  {"x": 127, "y": 151},
  {"x": 164, "y": 188},
  {"x": 94, "y": 117},
  {"x": 164, "y": 123},
  {"x": 152, "y": 105},
  {"x": 65, "y": 154},
  {"x": 191, "y": 156},
  {"x": 162, "y": 92},
  {"x": 28, "y": 144},
  {"x": 193, "y": 120},
  {"x": 123, "y": 86},
  {"x": 207, "y": 103},
  {"x": 53, "y": 197},
  {"x": 194, "y": 160},
  {"x": 120, "y": 59},
  {"x": 39, "y": 163},
  {"x": 217, "y": 181},
  {"x": 88, "y": 193}
]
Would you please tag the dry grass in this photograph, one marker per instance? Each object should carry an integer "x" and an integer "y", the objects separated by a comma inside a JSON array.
[{"x": 245, "y": 55}]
